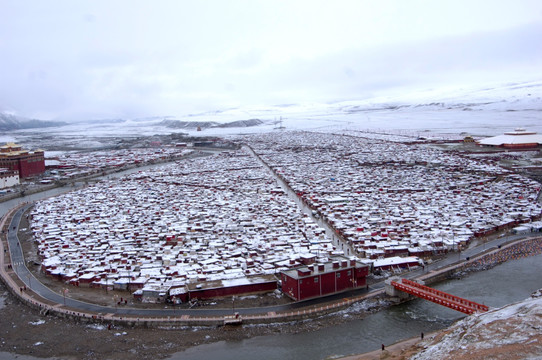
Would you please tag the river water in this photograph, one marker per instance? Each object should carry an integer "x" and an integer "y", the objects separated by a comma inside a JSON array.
[{"x": 496, "y": 287}]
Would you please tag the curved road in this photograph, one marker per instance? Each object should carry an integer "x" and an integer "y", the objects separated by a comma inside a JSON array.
[{"x": 19, "y": 266}]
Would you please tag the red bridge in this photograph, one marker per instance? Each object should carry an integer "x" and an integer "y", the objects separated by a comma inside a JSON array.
[{"x": 439, "y": 297}]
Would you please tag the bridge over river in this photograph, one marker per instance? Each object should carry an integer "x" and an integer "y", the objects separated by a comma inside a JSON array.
[{"x": 439, "y": 297}]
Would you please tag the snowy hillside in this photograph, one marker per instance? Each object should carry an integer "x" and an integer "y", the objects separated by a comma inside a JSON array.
[
  {"x": 511, "y": 332},
  {"x": 484, "y": 110},
  {"x": 481, "y": 111},
  {"x": 12, "y": 122}
]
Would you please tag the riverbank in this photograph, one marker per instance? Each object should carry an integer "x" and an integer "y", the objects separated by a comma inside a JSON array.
[
  {"x": 528, "y": 247},
  {"x": 24, "y": 330},
  {"x": 401, "y": 350},
  {"x": 510, "y": 332}
]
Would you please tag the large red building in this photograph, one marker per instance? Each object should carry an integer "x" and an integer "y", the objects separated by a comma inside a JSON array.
[
  {"x": 316, "y": 280},
  {"x": 27, "y": 163}
]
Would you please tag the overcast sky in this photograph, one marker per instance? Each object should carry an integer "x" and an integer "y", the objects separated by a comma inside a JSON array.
[{"x": 72, "y": 59}]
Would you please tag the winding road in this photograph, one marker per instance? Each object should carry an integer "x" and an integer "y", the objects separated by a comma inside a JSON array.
[
  {"x": 32, "y": 283},
  {"x": 36, "y": 287}
]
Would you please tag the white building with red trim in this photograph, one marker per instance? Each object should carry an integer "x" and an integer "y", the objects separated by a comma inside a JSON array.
[{"x": 519, "y": 138}]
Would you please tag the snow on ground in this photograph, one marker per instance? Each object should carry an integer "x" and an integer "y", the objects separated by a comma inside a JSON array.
[
  {"x": 485, "y": 110},
  {"x": 97, "y": 326},
  {"x": 35, "y": 323},
  {"x": 511, "y": 332}
]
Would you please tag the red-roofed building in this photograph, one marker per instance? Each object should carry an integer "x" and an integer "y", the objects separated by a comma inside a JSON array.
[
  {"x": 338, "y": 275},
  {"x": 27, "y": 163}
]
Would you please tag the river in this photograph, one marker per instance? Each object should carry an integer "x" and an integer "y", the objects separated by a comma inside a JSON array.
[{"x": 496, "y": 287}]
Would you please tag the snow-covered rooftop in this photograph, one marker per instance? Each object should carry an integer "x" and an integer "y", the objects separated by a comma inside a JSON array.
[
  {"x": 227, "y": 216},
  {"x": 517, "y": 137}
]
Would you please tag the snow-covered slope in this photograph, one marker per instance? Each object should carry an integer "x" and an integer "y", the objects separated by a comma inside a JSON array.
[
  {"x": 12, "y": 122},
  {"x": 511, "y": 332},
  {"x": 482, "y": 111}
]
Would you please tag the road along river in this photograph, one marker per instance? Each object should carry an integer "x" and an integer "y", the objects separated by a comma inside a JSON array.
[{"x": 495, "y": 287}]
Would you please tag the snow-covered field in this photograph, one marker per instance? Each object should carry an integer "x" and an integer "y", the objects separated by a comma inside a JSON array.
[{"x": 486, "y": 110}]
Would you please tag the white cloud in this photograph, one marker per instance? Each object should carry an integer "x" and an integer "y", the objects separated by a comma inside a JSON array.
[{"x": 171, "y": 57}]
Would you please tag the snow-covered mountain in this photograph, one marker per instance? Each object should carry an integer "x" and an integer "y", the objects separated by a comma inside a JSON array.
[
  {"x": 181, "y": 124},
  {"x": 11, "y": 122},
  {"x": 484, "y": 110}
]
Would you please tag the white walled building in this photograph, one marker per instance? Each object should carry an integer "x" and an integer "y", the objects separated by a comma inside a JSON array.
[
  {"x": 8, "y": 178},
  {"x": 519, "y": 138}
]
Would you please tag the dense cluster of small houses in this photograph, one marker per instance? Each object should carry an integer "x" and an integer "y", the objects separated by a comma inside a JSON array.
[
  {"x": 224, "y": 225},
  {"x": 391, "y": 199},
  {"x": 76, "y": 164}
]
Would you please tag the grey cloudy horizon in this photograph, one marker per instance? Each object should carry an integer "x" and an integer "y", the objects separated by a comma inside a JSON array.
[{"x": 75, "y": 59}]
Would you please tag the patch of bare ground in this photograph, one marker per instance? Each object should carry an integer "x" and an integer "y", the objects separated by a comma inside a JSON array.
[{"x": 25, "y": 331}]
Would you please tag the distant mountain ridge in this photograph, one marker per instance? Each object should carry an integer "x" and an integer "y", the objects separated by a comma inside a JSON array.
[
  {"x": 180, "y": 124},
  {"x": 10, "y": 122}
]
